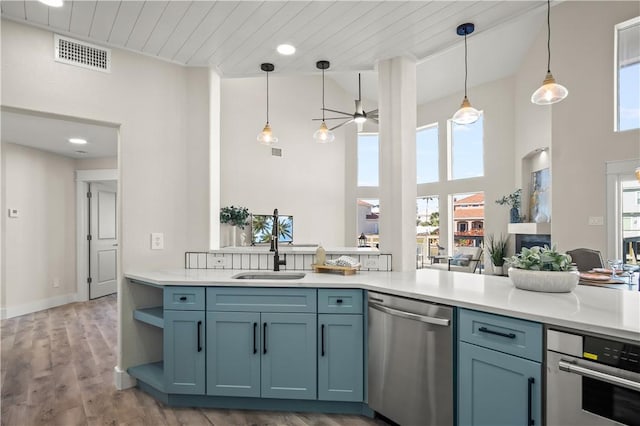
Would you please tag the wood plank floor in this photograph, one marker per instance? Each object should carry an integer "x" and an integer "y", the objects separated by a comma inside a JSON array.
[{"x": 57, "y": 369}]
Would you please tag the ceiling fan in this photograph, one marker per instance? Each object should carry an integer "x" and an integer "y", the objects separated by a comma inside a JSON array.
[{"x": 360, "y": 116}]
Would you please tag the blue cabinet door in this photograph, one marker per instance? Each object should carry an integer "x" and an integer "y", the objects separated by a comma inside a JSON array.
[
  {"x": 288, "y": 355},
  {"x": 340, "y": 357},
  {"x": 233, "y": 353},
  {"x": 184, "y": 352},
  {"x": 495, "y": 389}
]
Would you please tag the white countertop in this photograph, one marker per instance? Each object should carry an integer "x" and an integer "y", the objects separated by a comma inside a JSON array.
[{"x": 606, "y": 311}]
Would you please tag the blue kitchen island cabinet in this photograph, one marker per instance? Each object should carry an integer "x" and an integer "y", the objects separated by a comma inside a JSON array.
[
  {"x": 499, "y": 370},
  {"x": 184, "y": 355}
]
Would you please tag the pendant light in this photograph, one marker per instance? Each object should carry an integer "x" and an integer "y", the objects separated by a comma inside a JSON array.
[
  {"x": 550, "y": 92},
  {"x": 265, "y": 137},
  {"x": 323, "y": 134},
  {"x": 466, "y": 114}
]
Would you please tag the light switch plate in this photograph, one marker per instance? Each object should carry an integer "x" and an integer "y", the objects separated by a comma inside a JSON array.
[
  {"x": 157, "y": 241},
  {"x": 596, "y": 220}
]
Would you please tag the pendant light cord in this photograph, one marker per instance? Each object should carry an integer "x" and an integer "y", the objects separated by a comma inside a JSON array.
[
  {"x": 323, "y": 95},
  {"x": 548, "y": 35},
  {"x": 465, "y": 64},
  {"x": 267, "y": 97}
]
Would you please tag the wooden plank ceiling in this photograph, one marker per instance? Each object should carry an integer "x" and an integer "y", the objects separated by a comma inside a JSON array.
[{"x": 236, "y": 36}]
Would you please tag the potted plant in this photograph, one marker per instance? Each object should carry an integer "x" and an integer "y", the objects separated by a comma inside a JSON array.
[
  {"x": 513, "y": 200},
  {"x": 543, "y": 269},
  {"x": 497, "y": 248},
  {"x": 236, "y": 217}
]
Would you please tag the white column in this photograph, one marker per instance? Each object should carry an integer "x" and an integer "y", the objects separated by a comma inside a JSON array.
[
  {"x": 214, "y": 159},
  {"x": 397, "y": 135}
]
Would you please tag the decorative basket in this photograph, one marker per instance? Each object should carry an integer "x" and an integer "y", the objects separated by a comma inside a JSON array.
[{"x": 545, "y": 281}]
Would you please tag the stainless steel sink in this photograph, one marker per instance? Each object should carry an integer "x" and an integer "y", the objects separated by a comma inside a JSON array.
[{"x": 267, "y": 275}]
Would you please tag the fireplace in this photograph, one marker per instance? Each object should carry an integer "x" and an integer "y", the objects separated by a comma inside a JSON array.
[{"x": 531, "y": 240}]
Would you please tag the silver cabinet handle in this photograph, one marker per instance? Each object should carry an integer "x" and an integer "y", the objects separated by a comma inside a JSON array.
[
  {"x": 598, "y": 375},
  {"x": 429, "y": 320}
]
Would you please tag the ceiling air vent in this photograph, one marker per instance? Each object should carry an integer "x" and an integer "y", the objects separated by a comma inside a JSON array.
[{"x": 82, "y": 54}]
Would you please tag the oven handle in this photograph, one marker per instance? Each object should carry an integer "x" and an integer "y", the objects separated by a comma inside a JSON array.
[
  {"x": 598, "y": 375},
  {"x": 408, "y": 315}
]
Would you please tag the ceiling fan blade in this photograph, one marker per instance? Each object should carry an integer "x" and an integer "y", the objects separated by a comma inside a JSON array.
[
  {"x": 341, "y": 124},
  {"x": 373, "y": 112},
  {"x": 375, "y": 120},
  {"x": 338, "y": 112}
]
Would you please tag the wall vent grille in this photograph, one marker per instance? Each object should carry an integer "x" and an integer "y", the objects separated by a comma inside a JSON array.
[{"x": 82, "y": 54}]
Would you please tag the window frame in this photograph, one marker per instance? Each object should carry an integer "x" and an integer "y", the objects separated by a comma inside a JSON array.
[
  {"x": 616, "y": 88},
  {"x": 358, "y": 159},
  {"x": 450, "y": 142},
  {"x": 426, "y": 127}
]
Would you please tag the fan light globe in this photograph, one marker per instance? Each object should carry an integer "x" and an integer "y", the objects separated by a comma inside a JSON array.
[
  {"x": 550, "y": 92},
  {"x": 323, "y": 134},
  {"x": 466, "y": 114},
  {"x": 360, "y": 119},
  {"x": 265, "y": 137}
]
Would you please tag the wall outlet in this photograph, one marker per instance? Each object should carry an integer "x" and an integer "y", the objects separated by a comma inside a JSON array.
[
  {"x": 596, "y": 220},
  {"x": 218, "y": 261},
  {"x": 157, "y": 241},
  {"x": 56, "y": 282},
  {"x": 371, "y": 263}
]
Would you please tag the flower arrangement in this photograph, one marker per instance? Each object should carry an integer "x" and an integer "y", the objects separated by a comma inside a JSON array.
[
  {"x": 497, "y": 248},
  {"x": 513, "y": 200},
  {"x": 542, "y": 259},
  {"x": 235, "y": 216}
]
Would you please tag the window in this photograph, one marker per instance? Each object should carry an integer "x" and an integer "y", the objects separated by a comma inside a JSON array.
[
  {"x": 427, "y": 228},
  {"x": 468, "y": 219},
  {"x": 466, "y": 150},
  {"x": 427, "y": 154},
  {"x": 627, "y": 52},
  {"x": 368, "y": 154},
  {"x": 368, "y": 212}
]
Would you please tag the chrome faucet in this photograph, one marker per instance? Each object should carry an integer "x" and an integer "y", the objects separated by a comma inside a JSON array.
[{"x": 275, "y": 233}]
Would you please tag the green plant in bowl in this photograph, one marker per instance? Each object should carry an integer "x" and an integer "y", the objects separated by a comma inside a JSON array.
[
  {"x": 542, "y": 259},
  {"x": 543, "y": 269}
]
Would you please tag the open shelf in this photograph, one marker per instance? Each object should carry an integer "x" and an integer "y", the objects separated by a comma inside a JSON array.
[
  {"x": 151, "y": 374},
  {"x": 153, "y": 316}
]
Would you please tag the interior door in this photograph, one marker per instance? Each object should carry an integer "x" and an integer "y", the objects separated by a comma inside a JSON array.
[{"x": 103, "y": 243}]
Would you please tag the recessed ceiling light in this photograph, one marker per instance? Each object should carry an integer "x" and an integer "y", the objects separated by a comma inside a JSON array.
[
  {"x": 52, "y": 3},
  {"x": 78, "y": 141},
  {"x": 286, "y": 49}
]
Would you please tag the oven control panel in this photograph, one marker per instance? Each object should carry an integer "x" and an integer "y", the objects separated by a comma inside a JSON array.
[{"x": 616, "y": 354}]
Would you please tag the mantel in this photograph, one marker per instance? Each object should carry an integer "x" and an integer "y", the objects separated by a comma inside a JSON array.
[{"x": 530, "y": 228}]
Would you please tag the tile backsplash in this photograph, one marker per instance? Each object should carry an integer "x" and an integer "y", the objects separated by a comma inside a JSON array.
[{"x": 264, "y": 261}]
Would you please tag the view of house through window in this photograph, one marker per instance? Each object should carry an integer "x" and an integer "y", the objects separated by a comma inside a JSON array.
[
  {"x": 368, "y": 212},
  {"x": 631, "y": 221},
  {"x": 368, "y": 154},
  {"x": 466, "y": 148},
  {"x": 628, "y": 75},
  {"x": 468, "y": 219}
]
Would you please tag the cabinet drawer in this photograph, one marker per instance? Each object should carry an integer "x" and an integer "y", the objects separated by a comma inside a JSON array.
[
  {"x": 251, "y": 299},
  {"x": 339, "y": 301},
  {"x": 184, "y": 298},
  {"x": 509, "y": 335}
]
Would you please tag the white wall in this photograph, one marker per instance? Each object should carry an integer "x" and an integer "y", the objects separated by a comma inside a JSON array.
[
  {"x": 495, "y": 99},
  {"x": 580, "y": 128},
  {"x": 41, "y": 186},
  {"x": 308, "y": 181},
  {"x": 157, "y": 155},
  {"x": 97, "y": 163}
]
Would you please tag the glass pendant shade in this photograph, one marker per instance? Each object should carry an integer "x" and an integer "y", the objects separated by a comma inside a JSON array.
[
  {"x": 550, "y": 92},
  {"x": 466, "y": 114},
  {"x": 265, "y": 137},
  {"x": 323, "y": 134}
]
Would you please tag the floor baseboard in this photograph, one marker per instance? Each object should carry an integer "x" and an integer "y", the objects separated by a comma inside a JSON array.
[{"x": 37, "y": 305}]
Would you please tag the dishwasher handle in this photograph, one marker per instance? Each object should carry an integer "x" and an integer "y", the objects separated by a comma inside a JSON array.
[
  {"x": 599, "y": 375},
  {"x": 429, "y": 320}
]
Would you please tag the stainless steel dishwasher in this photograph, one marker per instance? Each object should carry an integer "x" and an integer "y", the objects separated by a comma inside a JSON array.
[{"x": 410, "y": 360}]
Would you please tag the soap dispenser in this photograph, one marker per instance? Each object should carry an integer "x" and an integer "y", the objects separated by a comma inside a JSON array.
[{"x": 321, "y": 255}]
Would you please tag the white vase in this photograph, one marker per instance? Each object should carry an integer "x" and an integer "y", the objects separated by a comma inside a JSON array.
[
  {"x": 545, "y": 281},
  {"x": 497, "y": 270}
]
